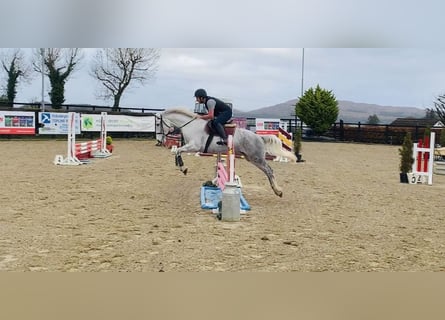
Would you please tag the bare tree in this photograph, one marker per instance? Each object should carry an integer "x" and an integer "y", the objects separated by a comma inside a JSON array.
[
  {"x": 17, "y": 69},
  {"x": 440, "y": 107},
  {"x": 117, "y": 68},
  {"x": 430, "y": 113},
  {"x": 59, "y": 64}
]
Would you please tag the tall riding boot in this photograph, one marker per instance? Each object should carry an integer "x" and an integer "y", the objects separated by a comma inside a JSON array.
[{"x": 220, "y": 130}]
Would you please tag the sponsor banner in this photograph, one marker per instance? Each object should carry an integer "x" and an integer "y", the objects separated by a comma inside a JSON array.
[
  {"x": 240, "y": 122},
  {"x": 17, "y": 122},
  {"x": 267, "y": 124},
  {"x": 118, "y": 123},
  {"x": 56, "y": 123}
]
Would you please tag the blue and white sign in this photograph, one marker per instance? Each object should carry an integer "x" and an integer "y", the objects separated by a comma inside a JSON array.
[{"x": 56, "y": 123}]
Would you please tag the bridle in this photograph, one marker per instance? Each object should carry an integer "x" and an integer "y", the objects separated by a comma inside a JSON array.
[{"x": 172, "y": 129}]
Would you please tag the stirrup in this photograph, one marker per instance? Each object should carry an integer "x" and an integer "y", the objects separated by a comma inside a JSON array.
[{"x": 221, "y": 142}]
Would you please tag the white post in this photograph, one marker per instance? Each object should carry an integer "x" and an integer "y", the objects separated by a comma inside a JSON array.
[
  {"x": 103, "y": 151},
  {"x": 431, "y": 158},
  {"x": 71, "y": 158},
  {"x": 231, "y": 153},
  {"x": 103, "y": 131},
  {"x": 71, "y": 135}
]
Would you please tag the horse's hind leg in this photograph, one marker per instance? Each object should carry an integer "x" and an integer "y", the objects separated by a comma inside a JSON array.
[{"x": 263, "y": 166}]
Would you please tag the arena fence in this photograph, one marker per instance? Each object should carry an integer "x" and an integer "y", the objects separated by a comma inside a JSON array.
[{"x": 381, "y": 134}]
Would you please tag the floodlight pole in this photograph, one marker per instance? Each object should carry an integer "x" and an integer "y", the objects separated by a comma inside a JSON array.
[
  {"x": 302, "y": 73},
  {"x": 42, "y": 51},
  {"x": 302, "y": 85}
]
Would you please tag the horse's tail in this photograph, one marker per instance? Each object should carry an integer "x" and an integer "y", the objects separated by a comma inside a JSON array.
[{"x": 273, "y": 146}]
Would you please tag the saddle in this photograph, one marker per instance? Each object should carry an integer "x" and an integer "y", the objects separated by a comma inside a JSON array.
[
  {"x": 229, "y": 129},
  {"x": 211, "y": 131}
]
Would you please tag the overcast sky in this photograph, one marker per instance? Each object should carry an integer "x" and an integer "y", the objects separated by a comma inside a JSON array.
[
  {"x": 256, "y": 78},
  {"x": 372, "y": 71}
]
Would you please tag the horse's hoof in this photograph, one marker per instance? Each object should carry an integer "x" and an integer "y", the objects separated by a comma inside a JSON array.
[
  {"x": 185, "y": 171},
  {"x": 280, "y": 194}
]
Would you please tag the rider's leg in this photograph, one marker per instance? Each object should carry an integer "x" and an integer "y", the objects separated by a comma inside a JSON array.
[
  {"x": 219, "y": 128},
  {"x": 219, "y": 125}
]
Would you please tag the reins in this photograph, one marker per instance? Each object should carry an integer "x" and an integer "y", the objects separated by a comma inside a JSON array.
[{"x": 175, "y": 129}]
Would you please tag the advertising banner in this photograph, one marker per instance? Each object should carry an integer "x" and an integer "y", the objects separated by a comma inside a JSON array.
[
  {"x": 240, "y": 122},
  {"x": 119, "y": 123},
  {"x": 56, "y": 123},
  {"x": 267, "y": 126},
  {"x": 17, "y": 122}
]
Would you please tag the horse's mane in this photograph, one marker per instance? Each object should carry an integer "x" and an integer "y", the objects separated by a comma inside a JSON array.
[{"x": 185, "y": 112}]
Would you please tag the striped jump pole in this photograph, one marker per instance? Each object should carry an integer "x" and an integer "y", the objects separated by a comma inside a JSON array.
[
  {"x": 423, "y": 154},
  {"x": 224, "y": 174},
  {"x": 94, "y": 148}
]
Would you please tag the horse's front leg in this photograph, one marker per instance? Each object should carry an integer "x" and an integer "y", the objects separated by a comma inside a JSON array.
[
  {"x": 178, "y": 157},
  {"x": 180, "y": 163}
]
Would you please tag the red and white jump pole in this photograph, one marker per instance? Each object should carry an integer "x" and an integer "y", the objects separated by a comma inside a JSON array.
[
  {"x": 423, "y": 154},
  {"x": 74, "y": 150}
]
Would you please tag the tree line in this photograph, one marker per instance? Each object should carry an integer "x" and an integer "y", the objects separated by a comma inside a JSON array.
[{"x": 115, "y": 70}]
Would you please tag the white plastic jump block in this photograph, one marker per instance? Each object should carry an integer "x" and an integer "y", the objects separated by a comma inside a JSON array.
[
  {"x": 280, "y": 159},
  {"x": 68, "y": 161}
]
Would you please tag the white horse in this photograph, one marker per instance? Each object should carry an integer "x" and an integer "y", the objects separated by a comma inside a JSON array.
[{"x": 247, "y": 143}]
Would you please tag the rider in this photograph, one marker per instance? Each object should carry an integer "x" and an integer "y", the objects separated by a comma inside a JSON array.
[{"x": 218, "y": 112}]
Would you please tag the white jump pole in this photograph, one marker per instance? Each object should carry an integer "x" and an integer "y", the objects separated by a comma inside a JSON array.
[
  {"x": 71, "y": 159},
  {"x": 103, "y": 131},
  {"x": 103, "y": 152},
  {"x": 231, "y": 155}
]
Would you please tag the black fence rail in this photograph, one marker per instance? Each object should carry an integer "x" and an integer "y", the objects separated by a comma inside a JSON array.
[
  {"x": 37, "y": 106},
  {"x": 382, "y": 134}
]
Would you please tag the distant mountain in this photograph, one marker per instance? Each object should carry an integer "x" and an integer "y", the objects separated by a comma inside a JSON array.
[{"x": 349, "y": 112}]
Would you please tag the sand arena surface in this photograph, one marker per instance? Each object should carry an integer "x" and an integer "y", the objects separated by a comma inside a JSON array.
[{"x": 344, "y": 209}]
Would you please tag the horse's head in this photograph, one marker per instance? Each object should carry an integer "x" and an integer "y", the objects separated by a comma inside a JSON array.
[
  {"x": 183, "y": 121},
  {"x": 163, "y": 125},
  {"x": 177, "y": 118},
  {"x": 172, "y": 120}
]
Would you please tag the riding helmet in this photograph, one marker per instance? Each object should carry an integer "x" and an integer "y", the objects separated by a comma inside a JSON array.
[{"x": 200, "y": 93}]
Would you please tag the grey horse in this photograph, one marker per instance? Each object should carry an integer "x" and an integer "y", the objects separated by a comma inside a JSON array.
[{"x": 252, "y": 146}]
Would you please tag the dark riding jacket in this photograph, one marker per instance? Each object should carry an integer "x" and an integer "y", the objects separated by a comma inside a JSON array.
[
  {"x": 222, "y": 111},
  {"x": 220, "y": 106}
]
